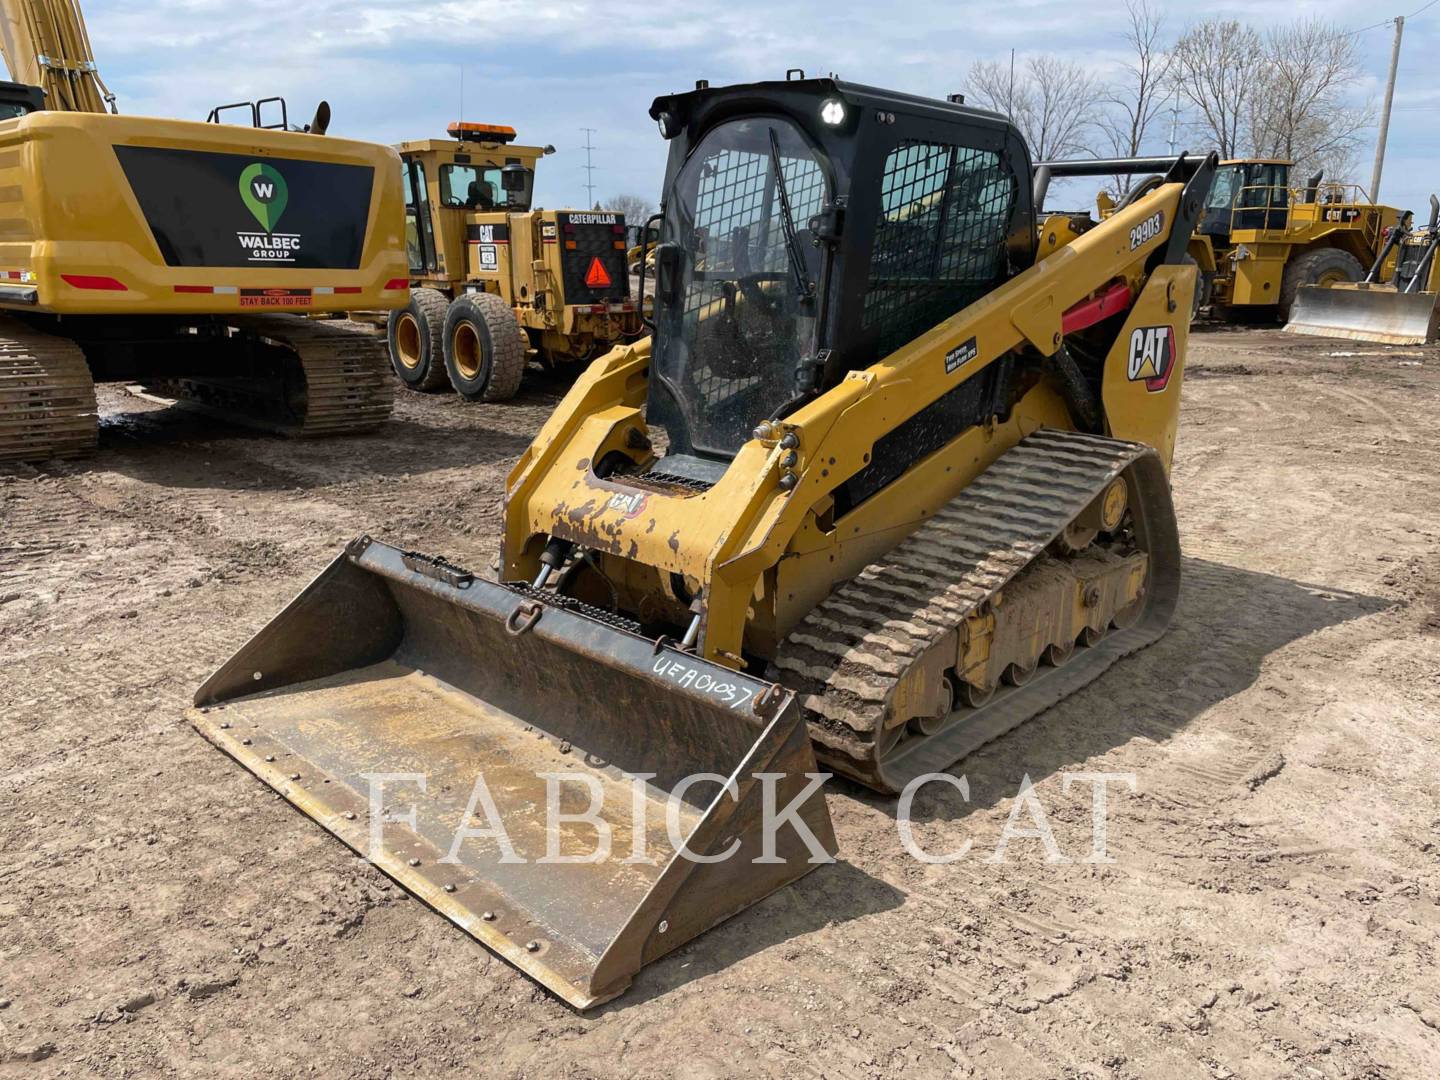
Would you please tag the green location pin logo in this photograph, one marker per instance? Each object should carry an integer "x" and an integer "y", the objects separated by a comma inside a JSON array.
[{"x": 264, "y": 193}]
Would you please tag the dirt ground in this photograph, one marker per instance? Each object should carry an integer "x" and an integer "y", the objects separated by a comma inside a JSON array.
[{"x": 1272, "y": 912}]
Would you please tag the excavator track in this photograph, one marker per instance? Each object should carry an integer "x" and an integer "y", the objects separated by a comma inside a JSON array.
[
  {"x": 47, "y": 397},
  {"x": 849, "y": 655},
  {"x": 335, "y": 381}
]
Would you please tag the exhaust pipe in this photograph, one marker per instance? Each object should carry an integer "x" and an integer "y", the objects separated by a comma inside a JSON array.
[{"x": 321, "y": 122}]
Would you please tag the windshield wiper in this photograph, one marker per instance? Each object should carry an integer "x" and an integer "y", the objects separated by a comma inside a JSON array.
[{"x": 787, "y": 223}]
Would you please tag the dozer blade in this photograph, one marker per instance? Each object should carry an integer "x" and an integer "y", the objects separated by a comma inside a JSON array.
[
  {"x": 397, "y": 694},
  {"x": 1376, "y": 313}
]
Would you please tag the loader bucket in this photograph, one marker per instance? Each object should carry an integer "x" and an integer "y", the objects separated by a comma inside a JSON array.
[
  {"x": 1364, "y": 312},
  {"x": 398, "y": 698}
]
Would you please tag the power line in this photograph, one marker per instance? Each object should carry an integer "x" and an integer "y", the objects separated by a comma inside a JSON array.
[
  {"x": 1372, "y": 26},
  {"x": 1390, "y": 21}
]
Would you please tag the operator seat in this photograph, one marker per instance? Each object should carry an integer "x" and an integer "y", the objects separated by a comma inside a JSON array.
[{"x": 480, "y": 196}]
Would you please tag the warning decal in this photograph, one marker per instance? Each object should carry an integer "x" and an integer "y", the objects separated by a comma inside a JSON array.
[{"x": 597, "y": 277}]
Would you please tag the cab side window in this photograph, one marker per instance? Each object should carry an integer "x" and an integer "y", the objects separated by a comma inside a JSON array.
[{"x": 940, "y": 243}]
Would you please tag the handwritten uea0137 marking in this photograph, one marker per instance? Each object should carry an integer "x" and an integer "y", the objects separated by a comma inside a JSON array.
[{"x": 680, "y": 673}]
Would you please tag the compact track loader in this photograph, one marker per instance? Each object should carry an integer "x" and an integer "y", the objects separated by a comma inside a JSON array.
[
  {"x": 890, "y": 477},
  {"x": 176, "y": 254},
  {"x": 1400, "y": 311}
]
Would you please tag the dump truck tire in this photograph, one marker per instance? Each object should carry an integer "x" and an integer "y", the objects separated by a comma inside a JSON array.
[
  {"x": 1324, "y": 266},
  {"x": 417, "y": 340},
  {"x": 1204, "y": 285},
  {"x": 484, "y": 348}
]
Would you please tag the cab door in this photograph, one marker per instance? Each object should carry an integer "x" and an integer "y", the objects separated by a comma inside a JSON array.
[{"x": 419, "y": 224}]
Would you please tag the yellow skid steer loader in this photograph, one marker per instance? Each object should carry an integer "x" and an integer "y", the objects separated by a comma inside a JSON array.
[
  {"x": 1400, "y": 311},
  {"x": 912, "y": 490}
]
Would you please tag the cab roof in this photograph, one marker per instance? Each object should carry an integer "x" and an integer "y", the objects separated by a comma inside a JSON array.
[
  {"x": 757, "y": 96},
  {"x": 450, "y": 147}
]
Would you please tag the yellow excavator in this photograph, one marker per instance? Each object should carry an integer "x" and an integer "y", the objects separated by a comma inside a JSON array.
[
  {"x": 890, "y": 477},
  {"x": 176, "y": 254}
]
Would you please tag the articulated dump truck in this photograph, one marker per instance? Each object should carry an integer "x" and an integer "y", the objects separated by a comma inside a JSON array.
[{"x": 912, "y": 490}]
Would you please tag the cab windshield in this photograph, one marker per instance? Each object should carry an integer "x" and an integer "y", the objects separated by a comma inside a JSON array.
[
  {"x": 480, "y": 187},
  {"x": 742, "y": 314},
  {"x": 1228, "y": 181}
]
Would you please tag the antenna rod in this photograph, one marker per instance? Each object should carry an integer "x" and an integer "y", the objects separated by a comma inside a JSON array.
[{"x": 589, "y": 168}]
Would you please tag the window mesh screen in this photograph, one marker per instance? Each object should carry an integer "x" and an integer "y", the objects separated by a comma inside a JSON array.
[
  {"x": 940, "y": 242},
  {"x": 739, "y": 233},
  {"x": 738, "y": 211}
]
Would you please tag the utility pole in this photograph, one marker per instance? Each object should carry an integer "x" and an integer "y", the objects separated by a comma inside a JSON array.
[
  {"x": 1174, "y": 119},
  {"x": 589, "y": 169},
  {"x": 1385, "y": 111}
]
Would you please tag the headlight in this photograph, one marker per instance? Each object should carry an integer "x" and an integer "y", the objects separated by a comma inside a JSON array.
[
  {"x": 833, "y": 112},
  {"x": 669, "y": 124}
]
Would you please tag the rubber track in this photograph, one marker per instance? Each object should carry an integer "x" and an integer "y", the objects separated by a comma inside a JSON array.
[
  {"x": 348, "y": 385},
  {"x": 847, "y": 655},
  {"x": 47, "y": 397}
]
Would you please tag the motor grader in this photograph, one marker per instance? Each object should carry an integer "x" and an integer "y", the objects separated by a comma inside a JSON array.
[
  {"x": 176, "y": 254},
  {"x": 1401, "y": 309},
  {"x": 890, "y": 477},
  {"x": 493, "y": 278}
]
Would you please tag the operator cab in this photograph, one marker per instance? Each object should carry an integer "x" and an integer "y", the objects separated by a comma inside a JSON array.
[
  {"x": 479, "y": 169},
  {"x": 810, "y": 228},
  {"x": 18, "y": 99},
  {"x": 1247, "y": 195}
]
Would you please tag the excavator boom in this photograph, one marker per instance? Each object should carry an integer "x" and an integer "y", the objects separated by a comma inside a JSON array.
[{"x": 45, "y": 44}]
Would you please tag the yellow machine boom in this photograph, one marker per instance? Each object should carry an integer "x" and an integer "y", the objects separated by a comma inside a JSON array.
[{"x": 45, "y": 44}]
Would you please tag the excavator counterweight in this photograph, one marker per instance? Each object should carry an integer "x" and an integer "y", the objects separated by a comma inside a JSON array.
[{"x": 177, "y": 255}]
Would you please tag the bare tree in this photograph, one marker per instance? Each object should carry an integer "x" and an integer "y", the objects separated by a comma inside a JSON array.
[
  {"x": 1299, "y": 110},
  {"x": 1134, "y": 100},
  {"x": 1215, "y": 67},
  {"x": 636, "y": 208},
  {"x": 1055, "y": 103}
]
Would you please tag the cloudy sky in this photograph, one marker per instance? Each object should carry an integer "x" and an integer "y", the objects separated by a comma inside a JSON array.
[{"x": 551, "y": 67}]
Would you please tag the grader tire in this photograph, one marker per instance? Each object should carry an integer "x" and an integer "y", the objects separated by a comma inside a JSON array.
[
  {"x": 484, "y": 348},
  {"x": 417, "y": 340}
]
